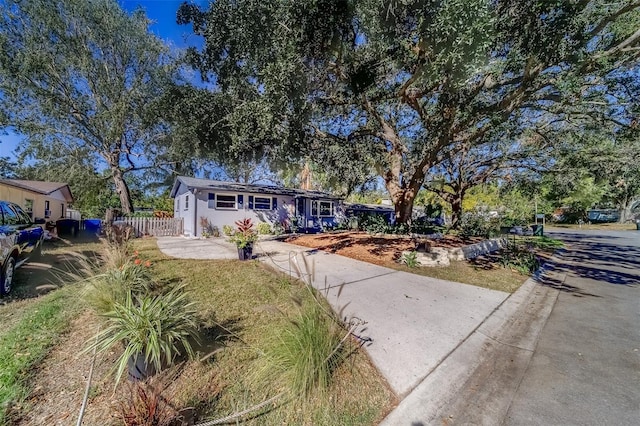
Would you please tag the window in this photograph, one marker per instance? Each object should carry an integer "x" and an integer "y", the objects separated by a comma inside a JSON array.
[
  {"x": 10, "y": 217},
  {"x": 322, "y": 208},
  {"x": 186, "y": 202},
  {"x": 62, "y": 209},
  {"x": 47, "y": 212},
  {"x": 262, "y": 203},
  {"x": 23, "y": 218},
  {"x": 226, "y": 202},
  {"x": 28, "y": 207},
  {"x": 211, "y": 200}
]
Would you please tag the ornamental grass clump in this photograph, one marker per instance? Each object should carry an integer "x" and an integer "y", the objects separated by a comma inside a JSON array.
[
  {"x": 303, "y": 352},
  {"x": 124, "y": 274}
]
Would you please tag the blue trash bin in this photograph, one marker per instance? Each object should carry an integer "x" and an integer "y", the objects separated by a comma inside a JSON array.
[{"x": 93, "y": 225}]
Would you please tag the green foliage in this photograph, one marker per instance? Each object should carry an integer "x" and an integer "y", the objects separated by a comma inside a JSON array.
[
  {"x": 24, "y": 345},
  {"x": 303, "y": 353},
  {"x": 227, "y": 230},
  {"x": 264, "y": 228},
  {"x": 86, "y": 87},
  {"x": 520, "y": 259},
  {"x": 115, "y": 284},
  {"x": 397, "y": 88},
  {"x": 410, "y": 259},
  {"x": 372, "y": 223},
  {"x": 158, "y": 327},
  {"x": 478, "y": 225}
]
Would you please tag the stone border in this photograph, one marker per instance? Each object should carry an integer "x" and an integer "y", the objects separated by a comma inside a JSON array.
[{"x": 441, "y": 256}]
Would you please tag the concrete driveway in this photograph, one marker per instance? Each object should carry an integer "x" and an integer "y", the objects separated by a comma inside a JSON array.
[{"x": 412, "y": 323}]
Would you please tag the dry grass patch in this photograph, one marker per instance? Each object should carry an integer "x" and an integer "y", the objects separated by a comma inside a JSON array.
[{"x": 490, "y": 275}]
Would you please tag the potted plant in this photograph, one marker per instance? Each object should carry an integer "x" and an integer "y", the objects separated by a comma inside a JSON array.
[
  {"x": 243, "y": 237},
  {"x": 153, "y": 329}
]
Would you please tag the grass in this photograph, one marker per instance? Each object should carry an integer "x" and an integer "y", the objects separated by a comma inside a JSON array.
[
  {"x": 32, "y": 325},
  {"x": 28, "y": 341},
  {"x": 595, "y": 226},
  {"x": 303, "y": 353},
  {"x": 490, "y": 276},
  {"x": 239, "y": 305},
  {"x": 488, "y": 271}
]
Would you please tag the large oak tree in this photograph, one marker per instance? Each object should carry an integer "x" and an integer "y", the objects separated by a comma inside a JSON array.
[
  {"x": 82, "y": 73},
  {"x": 397, "y": 83}
]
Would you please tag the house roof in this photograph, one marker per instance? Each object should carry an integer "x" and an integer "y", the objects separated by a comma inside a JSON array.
[
  {"x": 218, "y": 185},
  {"x": 377, "y": 208},
  {"x": 40, "y": 187}
]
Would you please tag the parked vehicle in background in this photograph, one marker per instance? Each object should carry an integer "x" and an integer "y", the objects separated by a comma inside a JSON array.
[{"x": 20, "y": 240}]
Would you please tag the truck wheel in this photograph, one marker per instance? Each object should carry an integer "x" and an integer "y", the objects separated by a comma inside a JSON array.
[{"x": 7, "y": 275}]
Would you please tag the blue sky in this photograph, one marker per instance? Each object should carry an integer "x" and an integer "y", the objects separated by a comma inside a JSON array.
[{"x": 163, "y": 15}]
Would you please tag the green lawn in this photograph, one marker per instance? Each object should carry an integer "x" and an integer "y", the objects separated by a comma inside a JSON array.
[
  {"x": 239, "y": 305},
  {"x": 488, "y": 271}
]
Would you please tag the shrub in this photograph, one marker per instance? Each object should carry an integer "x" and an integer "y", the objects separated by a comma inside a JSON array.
[
  {"x": 511, "y": 222},
  {"x": 478, "y": 225},
  {"x": 520, "y": 259},
  {"x": 227, "y": 230},
  {"x": 410, "y": 259},
  {"x": 373, "y": 223},
  {"x": 208, "y": 229},
  {"x": 264, "y": 228},
  {"x": 119, "y": 234}
]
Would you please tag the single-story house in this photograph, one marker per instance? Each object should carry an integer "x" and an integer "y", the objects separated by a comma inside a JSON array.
[
  {"x": 354, "y": 209},
  {"x": 41, "y": 200},
  {"x": 222, "y": 203}
]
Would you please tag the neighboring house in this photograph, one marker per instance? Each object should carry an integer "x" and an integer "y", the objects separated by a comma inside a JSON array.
[
  {"x": 222, "y": 203},
  {"x": 354, "y": 209},
  {"x": 41, "y": 200}
]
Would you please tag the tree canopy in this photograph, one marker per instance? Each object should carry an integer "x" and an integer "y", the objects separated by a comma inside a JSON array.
[
  {"x": 82, "y": 74},
  {"x": 392, "y": 87}
]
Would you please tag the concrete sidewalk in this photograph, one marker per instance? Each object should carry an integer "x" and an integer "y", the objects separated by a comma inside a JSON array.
[{"x": 412, "y": 323}]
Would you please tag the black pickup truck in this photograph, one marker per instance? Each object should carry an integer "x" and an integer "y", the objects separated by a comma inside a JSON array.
[{"x": 20, "y": 239}]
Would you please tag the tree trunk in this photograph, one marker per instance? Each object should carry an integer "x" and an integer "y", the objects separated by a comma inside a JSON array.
[
  {"x": 404, "y": 209},
  {"x": 625, "y": 209},
  {"x": 456, "y": 211},
  {"x": 122, "y": 189}
]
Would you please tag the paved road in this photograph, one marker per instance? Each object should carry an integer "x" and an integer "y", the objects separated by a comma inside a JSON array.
[{"x": 585, "y": 369}]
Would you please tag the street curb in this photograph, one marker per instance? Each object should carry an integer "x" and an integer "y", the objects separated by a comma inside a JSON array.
[{"x": 475, "y": 383}]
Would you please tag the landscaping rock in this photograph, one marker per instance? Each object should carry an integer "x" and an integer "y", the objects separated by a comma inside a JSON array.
[{"x": 438, "y": 256}]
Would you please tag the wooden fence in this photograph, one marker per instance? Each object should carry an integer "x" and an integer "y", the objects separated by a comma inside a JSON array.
[{"x": 158, "y": 227}]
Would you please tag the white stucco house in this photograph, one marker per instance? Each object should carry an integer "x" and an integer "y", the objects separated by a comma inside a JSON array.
[{"x": 222, "y": 203}]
